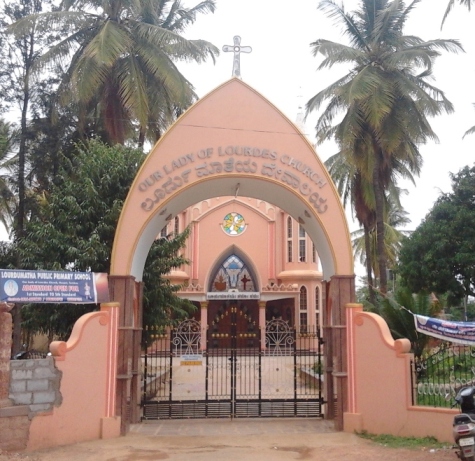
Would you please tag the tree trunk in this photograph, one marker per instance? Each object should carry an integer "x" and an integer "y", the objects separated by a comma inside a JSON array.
[
  {"x": 28, "y": 55},
  {"x": 22, "y": 160},
  {"x": 369, "y": 270},
  {"x": 379, "y": 201},
  {"x": 16, "y": 334}
]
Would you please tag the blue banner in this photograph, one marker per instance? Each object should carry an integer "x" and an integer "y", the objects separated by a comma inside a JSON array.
[
  {"x": 456, "y": 332},
  {"x": 25, "y": 286}
]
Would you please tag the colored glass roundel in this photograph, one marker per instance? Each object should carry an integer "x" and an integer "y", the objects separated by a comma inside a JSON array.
[{"x": 234, "y": 224}]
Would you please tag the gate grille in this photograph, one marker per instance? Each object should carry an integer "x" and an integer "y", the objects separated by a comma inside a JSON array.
[{"x": 279, "y": 380}]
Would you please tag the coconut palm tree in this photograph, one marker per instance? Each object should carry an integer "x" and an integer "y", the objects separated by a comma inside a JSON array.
[
  {"x": 120, "y": 61},
  {"x": 467, "y": 3},
  {"x": 470, "y": 130},
  {"x": 357, "y": 192},
  {"x": 9, "y": 139},
  {"x": 385, "y": 98},
  {"x": 395, "y": 218}
]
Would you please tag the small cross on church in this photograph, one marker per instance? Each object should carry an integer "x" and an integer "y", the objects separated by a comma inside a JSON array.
[{"x": 237, "y": 49}]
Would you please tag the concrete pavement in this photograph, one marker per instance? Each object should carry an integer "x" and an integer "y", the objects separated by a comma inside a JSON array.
[
  {"x": 229, "y": 427},
  {"x": 212, "y": 439}
]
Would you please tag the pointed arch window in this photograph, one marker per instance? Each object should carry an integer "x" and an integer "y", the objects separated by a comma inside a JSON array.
[
  {"x": 233, "y": 274},
  {"x": 302, "y": 244},
  {"x": 289, "y": 239},
  {"x": 303, "y": 310},
  {"x": 317, "y": 306}
]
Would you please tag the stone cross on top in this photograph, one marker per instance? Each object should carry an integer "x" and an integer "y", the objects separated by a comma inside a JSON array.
[{"x": 237, "y": 49}]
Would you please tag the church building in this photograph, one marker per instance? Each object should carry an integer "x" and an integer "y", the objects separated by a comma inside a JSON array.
[{"x": 247, "y": 253}]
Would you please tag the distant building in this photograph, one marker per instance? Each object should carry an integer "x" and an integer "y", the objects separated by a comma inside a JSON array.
[{"x": 248, "y": 254}]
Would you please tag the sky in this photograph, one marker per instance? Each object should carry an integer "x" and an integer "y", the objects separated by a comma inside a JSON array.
[{"x": 282, "y": 68}]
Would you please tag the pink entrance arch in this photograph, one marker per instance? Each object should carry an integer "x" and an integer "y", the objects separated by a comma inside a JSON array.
[{"x": 233, "y": 141}]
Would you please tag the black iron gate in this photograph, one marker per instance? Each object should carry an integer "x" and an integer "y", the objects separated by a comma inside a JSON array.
[{"x": 238, "y": 374}]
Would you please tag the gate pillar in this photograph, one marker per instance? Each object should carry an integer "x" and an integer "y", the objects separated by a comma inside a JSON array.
[
  {"x": 123, "y": 290},
  {"x": 341, "y": 292},
  {"x": 136, "y": 388}
]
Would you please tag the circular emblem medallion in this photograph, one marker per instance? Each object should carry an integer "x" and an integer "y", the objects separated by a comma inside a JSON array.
[
  {"x": 10, "y": 288},
  {"x": 234, "y": 224}
]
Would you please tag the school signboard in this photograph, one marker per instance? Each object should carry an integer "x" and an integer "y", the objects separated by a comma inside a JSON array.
[{"x": 27, "y": 286}]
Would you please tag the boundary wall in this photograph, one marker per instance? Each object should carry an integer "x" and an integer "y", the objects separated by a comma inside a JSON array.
[
  {"x": 379, "y": 383},
  {"x": 88, "y": 363},
  {"x": 35, "y": 383}
]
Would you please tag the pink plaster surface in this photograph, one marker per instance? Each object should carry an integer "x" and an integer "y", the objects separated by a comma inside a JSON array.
[
  {"x": 210, "y": 124},
  {"x": 380, "y": 384},
  {"x": 211, "y": 236},
  {"x": 264, "y": 242},
  {"x": 83, "y": 413}
]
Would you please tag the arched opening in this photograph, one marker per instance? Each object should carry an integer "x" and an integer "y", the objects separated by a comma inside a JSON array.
[{"x": 234, "y": 143}]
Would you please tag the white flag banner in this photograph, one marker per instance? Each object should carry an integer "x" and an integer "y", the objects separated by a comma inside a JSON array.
[{"x": 456, "y": 332}]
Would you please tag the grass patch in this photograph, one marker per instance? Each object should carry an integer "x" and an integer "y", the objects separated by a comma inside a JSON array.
[{"x": 415, "y": 443}]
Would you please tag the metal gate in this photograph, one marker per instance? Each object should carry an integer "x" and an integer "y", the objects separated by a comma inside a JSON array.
[{"x": 238, "y": 374}]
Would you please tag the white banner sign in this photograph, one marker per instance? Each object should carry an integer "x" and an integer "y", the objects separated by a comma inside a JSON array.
[{"x": 456, "y": 332}]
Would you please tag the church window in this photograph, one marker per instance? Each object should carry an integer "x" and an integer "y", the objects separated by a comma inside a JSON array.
[
  {"x": 177, "y": 225},
  {"x": 163, "y": 233},
  {"x": 233, "y": 274},
  {"x": 303, "y": 299},
  {"x": 234, "y": 224},
  {"x": 289, "y": 239},
  {"x": 303, "y": 310},
  {"x": 303, "y": 322},
  {"x": 317, "y": 306},
  {"x": 302, "y": 244}
]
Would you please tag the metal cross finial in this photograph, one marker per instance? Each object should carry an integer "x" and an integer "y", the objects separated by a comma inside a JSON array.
[{"x": 237, "y": 49}]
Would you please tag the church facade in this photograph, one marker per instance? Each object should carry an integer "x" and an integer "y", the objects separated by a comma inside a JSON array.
[{"x": 248, "y": 254}]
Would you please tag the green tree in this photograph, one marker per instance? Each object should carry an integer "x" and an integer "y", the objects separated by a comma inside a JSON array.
[
  {"x": 121, "y": 56},
  {"x": 385, "y": 98},
  {"x": 355, "y": 190},
  {"x": 75, "y": 229},
  {"x": 23, "y": 51},
  {"x": 358, "y": 192},
  {"x": 8, "y": 162},
  {"x": 397, "y": 311},
  {"x": 395, "y": 218},
  {"x": 439, "y": 256},
  {"x": 161, "y": 306}
]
